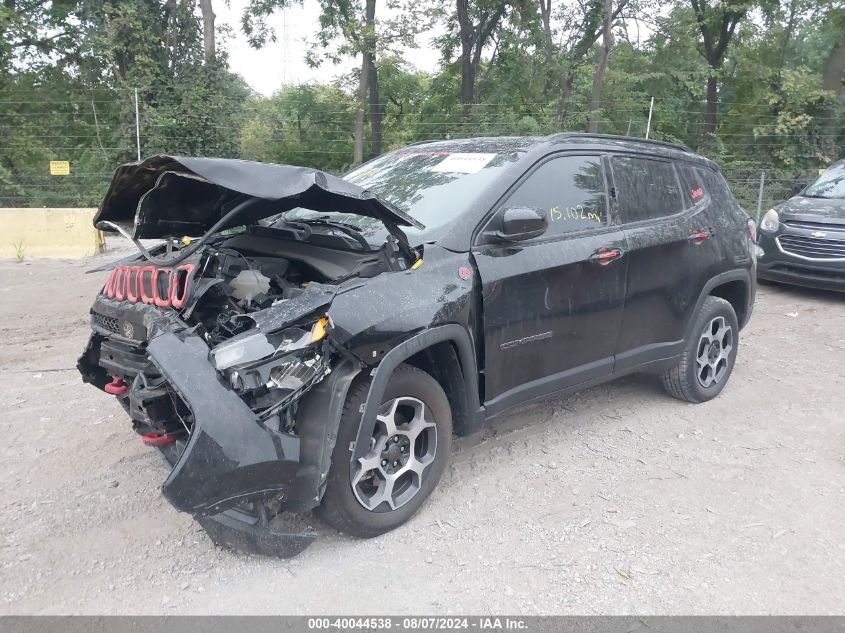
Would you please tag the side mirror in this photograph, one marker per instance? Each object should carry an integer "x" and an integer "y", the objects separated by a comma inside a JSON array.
[{"x": 521, "y": 223}]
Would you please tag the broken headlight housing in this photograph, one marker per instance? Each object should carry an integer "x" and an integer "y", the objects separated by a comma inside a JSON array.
[
  {"x": 255, "y": 345},
  {"x": 282, "y": 360}
]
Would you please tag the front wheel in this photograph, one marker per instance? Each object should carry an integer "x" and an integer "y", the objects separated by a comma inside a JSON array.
[
  {"x": 406, "y": 457},
  {"x": 709, "y": 356}
]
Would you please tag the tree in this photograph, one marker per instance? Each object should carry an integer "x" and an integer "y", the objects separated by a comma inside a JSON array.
[
  {"x": 301, "y": 125},
  {"x": 368, "y": 85},
  {"x": 477, "y": 20},
  {"x": 717, "y": 25},
  {"x": 69, "y": 70},
  {"x": 833, "y": 75},
  {"x": 581, "y": 26},
  {"x": 601, "y": 67},
  {"x": 37, "y": 32},
  {"x": 347, "y": 27},
  {"x": 208, "y": 37}
]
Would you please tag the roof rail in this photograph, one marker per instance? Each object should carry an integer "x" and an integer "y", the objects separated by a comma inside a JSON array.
[{"x": 616, "y": 137}]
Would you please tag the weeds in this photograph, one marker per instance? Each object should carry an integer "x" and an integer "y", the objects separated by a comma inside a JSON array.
[{"x": 20, "y": 251}]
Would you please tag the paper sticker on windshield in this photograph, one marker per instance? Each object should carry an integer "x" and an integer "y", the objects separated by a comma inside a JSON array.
[{"x": 463, "y": 163}]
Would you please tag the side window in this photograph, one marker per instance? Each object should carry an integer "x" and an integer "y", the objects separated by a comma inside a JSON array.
[
  {"x": 692, "y": 187},
  {"x": 646, "y": 189},
  {"x": 715, "y": 186},
  {"x": 570, "y": 190}
]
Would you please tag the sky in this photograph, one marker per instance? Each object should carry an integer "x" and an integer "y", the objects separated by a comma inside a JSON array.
[{"x": 283, "y": 62}]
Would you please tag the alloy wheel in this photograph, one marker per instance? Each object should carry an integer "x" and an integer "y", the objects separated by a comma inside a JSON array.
[
  {"x": 402, "y": 448},
  {"x": 714, "y": 351}
]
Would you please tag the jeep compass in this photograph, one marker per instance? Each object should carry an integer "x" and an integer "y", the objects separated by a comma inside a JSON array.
[{"x": 300, "y": 341}]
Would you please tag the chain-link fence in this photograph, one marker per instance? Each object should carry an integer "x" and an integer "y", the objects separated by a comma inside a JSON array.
[{"x": 95, "y": 131}]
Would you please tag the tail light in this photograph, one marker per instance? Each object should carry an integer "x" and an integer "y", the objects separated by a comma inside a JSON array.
[{"x": 752, "y": 230}]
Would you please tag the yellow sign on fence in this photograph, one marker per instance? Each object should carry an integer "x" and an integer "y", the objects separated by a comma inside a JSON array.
[{"x": 59, "y": 168}]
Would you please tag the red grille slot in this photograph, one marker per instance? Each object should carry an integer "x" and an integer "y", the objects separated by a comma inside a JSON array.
[
  {"x": 163, "y": 287},
  {"x": 146, "y": 284},
  {"x": 161, "y": 294}
]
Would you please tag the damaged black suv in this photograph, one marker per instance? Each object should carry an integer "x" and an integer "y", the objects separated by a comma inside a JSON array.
[{"x": 299, "y": 341}]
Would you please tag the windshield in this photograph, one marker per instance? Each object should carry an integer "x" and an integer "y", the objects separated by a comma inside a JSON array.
[
  {"x": 432, "y": 186},
  {"x": 831, "y": 184}
]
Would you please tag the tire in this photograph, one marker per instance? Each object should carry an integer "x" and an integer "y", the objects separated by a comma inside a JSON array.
[
  {"x": 704, "y": 369},
  {"x": 343, "y": 506}
]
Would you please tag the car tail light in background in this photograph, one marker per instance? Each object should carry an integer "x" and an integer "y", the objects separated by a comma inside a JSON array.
[{"x": 756, "y": 250}]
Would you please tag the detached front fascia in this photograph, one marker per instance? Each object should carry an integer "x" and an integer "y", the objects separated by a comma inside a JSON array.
[{"x": 230, "y": 454}]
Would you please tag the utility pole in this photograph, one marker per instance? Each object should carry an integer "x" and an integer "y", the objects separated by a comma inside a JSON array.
[
  {"x": 137, "y": 127},
  {"x": 650, "y": 110},
  {"x": 760, "y": 195}
]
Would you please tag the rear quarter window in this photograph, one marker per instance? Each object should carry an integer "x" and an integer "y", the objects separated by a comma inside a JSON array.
[
  {"x": 693, "y": 190},
  {"x": 715, "y": 186}
]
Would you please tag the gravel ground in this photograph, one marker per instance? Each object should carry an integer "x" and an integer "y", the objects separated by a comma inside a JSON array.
[{"x": 616, "y": 500}]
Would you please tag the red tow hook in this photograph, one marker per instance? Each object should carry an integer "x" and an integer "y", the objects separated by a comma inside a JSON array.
[
  {"x": 155, "y": 440},
  {"x": 116, "y": 387}
]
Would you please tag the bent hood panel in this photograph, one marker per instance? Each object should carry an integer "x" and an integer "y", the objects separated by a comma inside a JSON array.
[{"x": 173, "y": 195}]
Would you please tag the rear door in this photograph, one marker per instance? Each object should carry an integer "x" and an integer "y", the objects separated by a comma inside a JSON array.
[
  {"x": 671, "y": 254},
  {"x": 552, "y": 305}
]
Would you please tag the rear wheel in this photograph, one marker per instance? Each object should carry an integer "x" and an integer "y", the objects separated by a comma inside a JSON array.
[
  {"x": 407, "y": 454},
  {"x": 710, "y": 354}
]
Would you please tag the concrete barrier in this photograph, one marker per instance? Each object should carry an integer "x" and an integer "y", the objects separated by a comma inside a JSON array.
[{"x": 28, "y": 233}]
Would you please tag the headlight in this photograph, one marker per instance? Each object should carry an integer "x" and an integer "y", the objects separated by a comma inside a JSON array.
[
  {"x": 770, "y": 221},
  {"x": 251, "y": 347}
]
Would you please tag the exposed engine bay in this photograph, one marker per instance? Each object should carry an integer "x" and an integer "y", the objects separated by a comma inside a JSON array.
[
  {"x": 211, "y": 339},
  {"x": 254, "y": 286},
  {"x": 255, "y": 298}
]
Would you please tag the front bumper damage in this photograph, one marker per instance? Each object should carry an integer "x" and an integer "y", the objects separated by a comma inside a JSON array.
[
  {"x": 233, "y": 472},
  {"x": 230, "y": 456}
]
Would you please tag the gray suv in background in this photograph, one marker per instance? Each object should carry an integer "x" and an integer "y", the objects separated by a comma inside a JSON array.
[{"x": 802, "y": 241}]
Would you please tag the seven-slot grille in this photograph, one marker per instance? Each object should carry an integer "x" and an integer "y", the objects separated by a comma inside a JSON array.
[{"x": 813, "y": 247}]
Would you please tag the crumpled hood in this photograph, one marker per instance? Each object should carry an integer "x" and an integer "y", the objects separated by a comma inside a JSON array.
[
  {"x": 812, "y": 209},
  {"x": 173, "y": 195}
]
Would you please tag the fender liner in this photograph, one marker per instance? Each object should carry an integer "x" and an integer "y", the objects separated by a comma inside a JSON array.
[
  {"x": 318, "y": 419},
  {"x": 722, "y": 278},
  {"x": 453, "y": 333}
]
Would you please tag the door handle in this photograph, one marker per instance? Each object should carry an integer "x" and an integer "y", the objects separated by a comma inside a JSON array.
[
  {"x": 605, "y": 256},
  {"x": 697, "y": 237}
]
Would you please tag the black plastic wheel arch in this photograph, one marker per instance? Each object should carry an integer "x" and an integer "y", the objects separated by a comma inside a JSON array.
[{"x": 381, "y": 375}]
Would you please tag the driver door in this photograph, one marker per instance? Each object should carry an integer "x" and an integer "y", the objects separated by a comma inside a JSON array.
[{"x": 552, "y": 305}]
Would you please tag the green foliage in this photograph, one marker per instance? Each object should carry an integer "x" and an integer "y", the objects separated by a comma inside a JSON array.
[
  {"x": 69, "y": 71},
  {"x": 301, "y": 125}
]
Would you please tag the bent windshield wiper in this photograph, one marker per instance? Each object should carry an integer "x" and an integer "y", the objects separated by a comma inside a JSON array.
[{"x": 348, "y": 229}]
